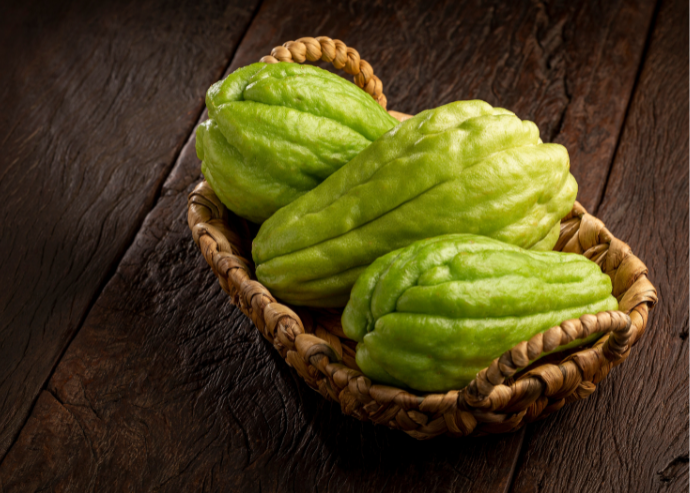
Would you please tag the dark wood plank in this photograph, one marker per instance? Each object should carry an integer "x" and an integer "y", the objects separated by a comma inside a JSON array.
[
  {"x": 168, "y": 387},
  {"x": 97, "y": 100},
  {"x": 632, "y": 434},
  {"x": 568, "y": 66}
]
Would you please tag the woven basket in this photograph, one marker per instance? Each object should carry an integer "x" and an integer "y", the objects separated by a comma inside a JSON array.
[{"x": 500, "y": 399}]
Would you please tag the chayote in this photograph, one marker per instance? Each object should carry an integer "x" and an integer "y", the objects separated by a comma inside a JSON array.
[
  {"x": 431, "y": 315},
  {"x": 275, "y": 131},
  {"x": 461, "y": 168}
]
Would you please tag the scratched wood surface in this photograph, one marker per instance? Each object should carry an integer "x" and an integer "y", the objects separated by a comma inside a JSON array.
[
  {"x": 97, "y": 100},
  {"x": 636, "y": 438},
  {"x": 166, "y": 387}
]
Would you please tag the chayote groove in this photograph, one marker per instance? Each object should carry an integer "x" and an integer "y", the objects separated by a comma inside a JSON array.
[
  {"x": 275, "y": 131},
  {"x": 431, "y": 315},
  {"x": 465, "y": 167}
]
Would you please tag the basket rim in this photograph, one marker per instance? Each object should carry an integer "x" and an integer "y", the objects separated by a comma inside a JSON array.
[
  {"x": 499, "y": 399},
  {"x": 335, "y": 52},
  {"x": 494, "y": 402}
]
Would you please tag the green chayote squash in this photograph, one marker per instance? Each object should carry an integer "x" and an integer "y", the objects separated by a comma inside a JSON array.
[
  {"x": 461, "y": 168},
  {"x": 431, "y": 315},
  {"x": 275, "y": 131}
]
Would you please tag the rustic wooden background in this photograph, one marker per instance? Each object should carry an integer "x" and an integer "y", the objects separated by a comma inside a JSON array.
[{"x": 123, "y": 367}]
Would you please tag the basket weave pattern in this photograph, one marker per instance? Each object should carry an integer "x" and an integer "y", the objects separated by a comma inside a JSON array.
[
  {"x": 498, "y": 400},
  {"x": 504, "y": 396},
  {"x": 333, "y": 51}
]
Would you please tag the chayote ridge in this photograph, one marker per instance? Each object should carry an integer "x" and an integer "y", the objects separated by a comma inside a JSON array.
[
  {"x": 431, "y": 315},
  {"x": 465, "y": 167},
  {"x": 275, "y": 131}
]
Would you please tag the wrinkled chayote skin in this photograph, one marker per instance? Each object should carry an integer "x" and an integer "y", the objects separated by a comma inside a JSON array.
[
  {"x": 431, "y": 315},
  {"x": 465, "y": 167},
  {"x": 275, "y": 131}
]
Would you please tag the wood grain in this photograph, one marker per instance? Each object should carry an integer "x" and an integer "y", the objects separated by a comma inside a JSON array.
[
  {"x": 632, "y": 434},
  {"x": 97, "y": 100},
  {"x": 167, "y": 387},
  {"x": 567, "y": 66}
]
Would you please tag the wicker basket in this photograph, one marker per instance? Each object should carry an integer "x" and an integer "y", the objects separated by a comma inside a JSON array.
[{"x": 499, "y": 399}]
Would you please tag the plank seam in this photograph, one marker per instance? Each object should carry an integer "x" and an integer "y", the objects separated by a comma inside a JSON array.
[
  {"x": 643, "y": 59},
  {"x": 652, "y": 24},
  {"x": 516, "y": 460},
  {"x": 118, "y": 259}
]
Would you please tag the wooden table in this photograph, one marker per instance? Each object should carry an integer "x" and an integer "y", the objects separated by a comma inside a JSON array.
[{"x": 122, "y": 365}]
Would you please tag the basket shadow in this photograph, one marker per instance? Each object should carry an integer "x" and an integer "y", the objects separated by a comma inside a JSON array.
[{"x": 363, "y": 456}]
